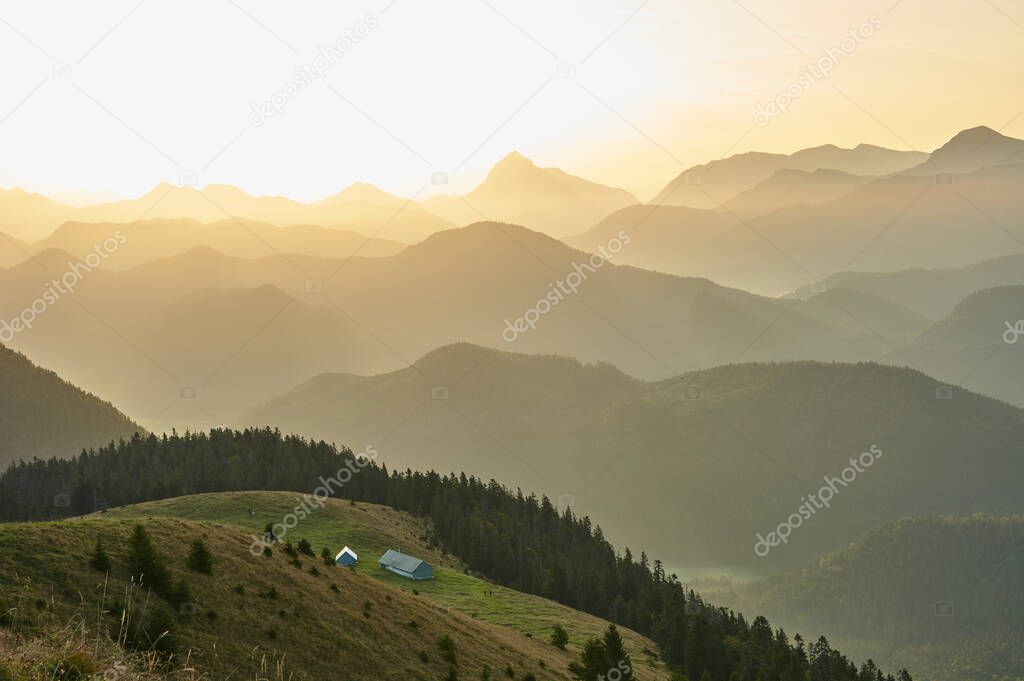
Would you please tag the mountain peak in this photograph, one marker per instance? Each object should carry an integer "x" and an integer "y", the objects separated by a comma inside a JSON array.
[
  {"x": 362, "y": 192},
  {"x": 972, "y": 136},
  {"x": 513, "y": 161},
  {"x": 976, "y": 148}
]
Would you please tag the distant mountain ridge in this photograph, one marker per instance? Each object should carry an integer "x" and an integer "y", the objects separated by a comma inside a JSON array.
[
  {"x": 515, "y": 190},
  {"x": 150, "y": 240},
  {"x": 709, "y": 185},
  {"x": 34, "y": 217},
  {"x": 929, "y": 292},
  {"x": 138, "y": 346},
  {"x": 789, "y": 187}
]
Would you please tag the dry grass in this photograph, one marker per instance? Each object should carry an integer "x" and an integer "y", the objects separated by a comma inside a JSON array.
[{"x": 341, "y": 623}]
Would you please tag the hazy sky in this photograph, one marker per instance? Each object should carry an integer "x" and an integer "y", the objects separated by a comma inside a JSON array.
[{"x": 154, "y": 88}]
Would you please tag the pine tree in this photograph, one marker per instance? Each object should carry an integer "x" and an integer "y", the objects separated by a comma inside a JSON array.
[
  {"x": 615, "y": 653},
  {"x": 199, "y": 558},
  {"x": 181, "y": 596},
  {"x": 100, "y": 561},
  {"x": 146, "y": 564}
]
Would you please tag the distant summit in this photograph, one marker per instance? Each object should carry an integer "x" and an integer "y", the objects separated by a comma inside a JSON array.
[
  {"x": 549, "y": 200},
  {"x": 363, "y": 192},
  {"x": 974, "y": 149},
  {"x": 512, "y": 162}
]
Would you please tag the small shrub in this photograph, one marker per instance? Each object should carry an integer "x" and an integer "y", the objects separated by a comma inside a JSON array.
[
  {"x": 313, "y": 571},
  {"x": 267, "y": 552},
  {"x": 327, "y": 557},
  {"x": 272, "y": 633},
  {"x": 485, "y": 673},
  {"x": 239, "y": 589},
  {"x": 413, "y": 624},
  {"x": 270, "y": 593},
  {"x": 335, "y": 589},
  {"x": 509, "y": 672},
  {"x": 156, "y": 632},
  {"x": 306, "y": 548},
  {"x": 559, "y": 637},
  {"x": 211, "y": 615},
  {"x": 290, "y": 550},
  {"x": 446, "y": 645},
  {"x": 74, "y": 667},
  {"x": 296, "y": 563},
  {"x": 529, "y": 677},
  {"x": 424, "y": 658},
  {"x": 452, "y": 675}
]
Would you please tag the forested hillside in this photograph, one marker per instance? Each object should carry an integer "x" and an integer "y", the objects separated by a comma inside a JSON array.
[
  {"x": 42, "y": 415},
  {"x": 947, "y": 593},
  {"x": 516, "y": 540},
  {"x": 653, "y": 461}
]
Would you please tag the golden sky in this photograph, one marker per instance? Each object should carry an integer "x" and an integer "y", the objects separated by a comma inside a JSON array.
[{"x": 118, "y": 96}]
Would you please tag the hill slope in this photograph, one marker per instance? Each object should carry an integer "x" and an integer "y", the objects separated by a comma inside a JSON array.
[
  {"x": 256, "y": 608},
  {"x": 371, "y": 529},
  {"x": 980, "y": 344},
  {"x": 41, "y": 415},
  {"x": 654, "y": 461},
  {"x": 790, "y": 187}
]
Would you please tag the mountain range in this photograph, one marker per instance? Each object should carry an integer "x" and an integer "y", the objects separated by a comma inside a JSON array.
[
  {"x": 515, "y": 190},
  {"x": 146, "y": 332},
  {"x": 889, "y": 223}
]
